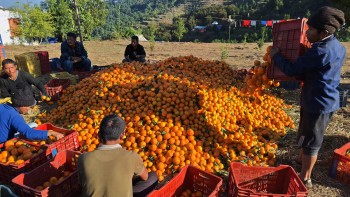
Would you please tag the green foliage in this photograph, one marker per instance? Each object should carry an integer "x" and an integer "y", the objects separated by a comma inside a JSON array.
[
  {"x": 35, "y": 24},
  {"x": 224, "y": 53},
  {"x": 152, "y": 36},
  {"x": 180, "y": 29},
  {"x": 191, "y": 22},
  {"x": 62, "y": 14},
  {"x": 92, "y": 15}
]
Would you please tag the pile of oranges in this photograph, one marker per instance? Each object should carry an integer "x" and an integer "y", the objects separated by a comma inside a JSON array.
[
  {"x": 256, "y": 80},
  {"x": 17, "y": 152},
  {"x": 183, "y": 110}
]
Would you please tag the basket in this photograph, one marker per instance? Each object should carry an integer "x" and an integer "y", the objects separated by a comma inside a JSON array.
[
  {"x": 44, "y": 61},
  {"x": 290, "y": 38},
  {"x": 190, "y": 178},
  {"x": 30, "y": 63},
  {"x": 264, "y": 181},
  {"x": 343, "y": 97},
  {"x": 9, "y": 171},
  {"x": 340, "y": 168},
  {"x": 68, "y": 142},
  {"x": 55, "y": 86},
  {"x": 26, "y": 183},
  {"x": 65, "y": 75}
]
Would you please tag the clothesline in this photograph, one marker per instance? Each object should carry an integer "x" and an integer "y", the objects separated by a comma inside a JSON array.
[{"x": 254, "y": 23}]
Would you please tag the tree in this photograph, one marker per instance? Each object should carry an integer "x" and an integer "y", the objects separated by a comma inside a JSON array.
[
  {"x": 62, "y": 14},
  {"x": 180, "y": 28},
  {"x": 92, "y": 14},
  {"x": 152, "y": 33},
  {"x": 191, "y": 22},
  {"x": 34, "y": 23}
]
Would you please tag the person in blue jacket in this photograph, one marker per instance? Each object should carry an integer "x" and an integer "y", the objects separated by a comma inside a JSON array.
[
  {"x": 74, "y": 55},
  {"x": 320, "y": 69},
  {"x": 12, "y": 122}
]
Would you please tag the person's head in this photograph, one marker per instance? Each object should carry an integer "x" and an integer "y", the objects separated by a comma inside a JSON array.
[
  {"x": 9, "y": 67},
  {"x": 23, "y": 98},
  {"x": 324, "y": 22},
  {"x": 71, "y": 38},
  {"x": 134, "y": 41},
  {"x": 111, "y": 128}
]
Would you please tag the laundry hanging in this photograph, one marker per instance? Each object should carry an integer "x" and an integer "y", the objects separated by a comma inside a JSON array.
[
  {"x": 246, "y": 23},
  {"x": 253, "y": 23},
  {"x": 269, "y": 23}
]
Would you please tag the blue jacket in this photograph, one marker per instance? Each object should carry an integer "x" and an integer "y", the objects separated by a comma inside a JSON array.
[
  {"x": 320, "y": 69},
  {"x": 11, "y": 122},
  {"x": 67, "y": 52}
]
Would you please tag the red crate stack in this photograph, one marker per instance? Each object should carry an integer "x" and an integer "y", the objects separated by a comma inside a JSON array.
[
  {"x": 66, "y": 161},
  {"x": 9, "y": 171},
  {"x": 281, "y": 181},
  {"x": 55, "y": 86},
  {"x": 290, "y": 38},
  {"x": 44, "y": 61},
  {"x": 190, "y": 178},
  {"x": 68, "y": 142},
  {"x": 340, "y": 168}
]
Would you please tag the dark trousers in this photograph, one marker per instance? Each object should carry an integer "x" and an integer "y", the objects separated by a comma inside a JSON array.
[
  {"x": 142, "y": 188},
  {"x": 68, "y": 65}
]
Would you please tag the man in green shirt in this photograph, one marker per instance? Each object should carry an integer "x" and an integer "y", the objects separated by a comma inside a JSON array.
[{"x": 109, "y": 170}]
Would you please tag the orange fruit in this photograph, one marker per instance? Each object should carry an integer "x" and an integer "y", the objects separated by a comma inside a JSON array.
[
  {"x": 53, "y": 180},
  {"x": 39, "y": 188},
  {"x": 46, "y": 184}
]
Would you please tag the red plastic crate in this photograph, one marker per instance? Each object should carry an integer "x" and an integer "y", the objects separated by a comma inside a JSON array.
[
  {"x": 340, "y": 168},
  {"x": 55, "y": 86},
  {"x": 281, "y": 181},
  {"x": 190, "y": 178},
  {"x": 44, "y": 61},
  {"x": 9, "y": 171},
  {"x": 68, "y": 142},
  {"x": 26, "y": 183},
  {"x": 290, "y": 38}
]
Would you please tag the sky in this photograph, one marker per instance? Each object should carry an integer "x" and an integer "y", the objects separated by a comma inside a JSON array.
[{"x": 10, "y": 3}]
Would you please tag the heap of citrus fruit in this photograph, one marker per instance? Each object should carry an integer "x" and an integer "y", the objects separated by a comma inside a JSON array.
[{"x": 183, "y": 110}]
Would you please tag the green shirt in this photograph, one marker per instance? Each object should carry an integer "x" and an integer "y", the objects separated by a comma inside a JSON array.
[{"x": 108, "y": 171}]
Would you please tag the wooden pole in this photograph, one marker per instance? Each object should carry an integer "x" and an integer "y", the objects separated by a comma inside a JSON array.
[{"x": 78, "y": 19}]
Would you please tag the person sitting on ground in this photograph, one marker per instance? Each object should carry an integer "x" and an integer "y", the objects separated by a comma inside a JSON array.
[
  {"x": 11, "y": 77},
  {"x": 320, "y": 69},
  {"x": 74, "y": 55},
  {"x": 109, "y": 170},
  {"x": 134, "y": 51},
  {"x": 12, "y": 122}
]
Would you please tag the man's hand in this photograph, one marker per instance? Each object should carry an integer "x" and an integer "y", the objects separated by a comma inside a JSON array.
[
  {"x": 77, "y": 59},
  {"x": 274, "y": 51},
  {"x": 56, "y": 134}
]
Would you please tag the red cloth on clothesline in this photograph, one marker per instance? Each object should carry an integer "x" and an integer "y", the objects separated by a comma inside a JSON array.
[
  {"x": 269, "y": 23},
  {"x": 246, "y": 23}
]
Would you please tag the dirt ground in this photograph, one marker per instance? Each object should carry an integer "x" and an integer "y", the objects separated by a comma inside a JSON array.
[{"x": 238, "y": 56}]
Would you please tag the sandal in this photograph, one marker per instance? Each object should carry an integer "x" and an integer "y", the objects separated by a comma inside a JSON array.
[{"x": 308, "y": 183}]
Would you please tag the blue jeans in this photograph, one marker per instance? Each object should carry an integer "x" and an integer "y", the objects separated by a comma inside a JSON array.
[{"x": 68, "y": 65}]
